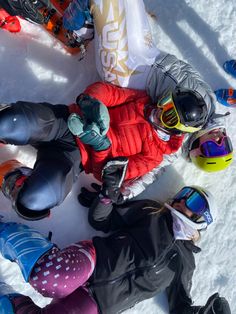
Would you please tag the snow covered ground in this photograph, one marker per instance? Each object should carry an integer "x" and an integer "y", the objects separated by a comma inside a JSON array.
[{"x": 34, "y": 67}]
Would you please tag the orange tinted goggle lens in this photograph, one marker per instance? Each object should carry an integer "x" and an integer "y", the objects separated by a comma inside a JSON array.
[{"x": 169, "y": 115}]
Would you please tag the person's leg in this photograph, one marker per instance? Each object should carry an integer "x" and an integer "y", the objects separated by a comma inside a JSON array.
[
  {"x": 53, "y": 272},
  {"x": 58, "y": 158},
  {"x": 60, "y": 272},
  {"x": 123, "y": 41},
  {"x": 25, "y": 123},
  {"x": 55, "y": 171},
  {"x": 34, "y": 192},
  {"x": 79, "y": 302}
]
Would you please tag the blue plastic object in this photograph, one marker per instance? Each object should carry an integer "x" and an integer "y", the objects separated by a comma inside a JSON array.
[
  {"x": 22, "y": 244},
  {"x": 230, "y": 67},
  {"x": 226, "y": 97},
  {"x": 76, "y": 15}
]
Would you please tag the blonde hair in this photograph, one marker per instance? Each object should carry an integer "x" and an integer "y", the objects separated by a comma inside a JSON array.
[
  {"x": 159, "y": 210},
  {"x": 156, "y": 210}
]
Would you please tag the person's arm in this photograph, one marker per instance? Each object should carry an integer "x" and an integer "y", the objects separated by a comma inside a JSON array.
[
  {"x": 183, "y": 266},
  {"x": 134, "y": 187},
  {"x": 178, "y": 293},
  {"x": 105, "y": 216},
  {"x": 111, "y": 95},
  {"x": 139, "y": 164}
]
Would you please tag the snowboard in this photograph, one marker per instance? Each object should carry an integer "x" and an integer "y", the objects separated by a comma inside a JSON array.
[{"x": 53, "y": 24}]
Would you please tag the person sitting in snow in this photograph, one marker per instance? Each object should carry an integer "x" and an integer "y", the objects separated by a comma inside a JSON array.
[
  {"x": 150, "y": 249},
  {"x": 184, "y": 104},
  {"x": 105, "y": 123}
]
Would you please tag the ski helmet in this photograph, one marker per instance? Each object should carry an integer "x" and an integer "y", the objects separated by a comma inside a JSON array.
[
  {"x": 211, "y": 149},
  {"x": 197, "y": 200},
  {"x": 184, "y": 110}
]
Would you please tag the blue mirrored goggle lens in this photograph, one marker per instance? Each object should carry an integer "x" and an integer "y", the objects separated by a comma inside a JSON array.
[
  {"x": 212, "y": 149},
  {"x": 193, "y": 200},
  {"x": 196, "y": 203},
  {"x": 185, "y": 192}
]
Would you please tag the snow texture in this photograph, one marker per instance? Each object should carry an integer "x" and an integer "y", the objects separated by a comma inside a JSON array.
[{"x": 34, "y": 67}]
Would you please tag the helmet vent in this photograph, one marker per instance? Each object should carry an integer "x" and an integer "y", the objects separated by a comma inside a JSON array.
[
  {"x": 229, "y": 159},
  {"x": 211, "y": 163}
]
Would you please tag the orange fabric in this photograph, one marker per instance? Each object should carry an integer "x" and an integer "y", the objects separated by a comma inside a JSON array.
[
  {"x": 130, "y": 133},
  {"x": 8, "y": 166},
  {"x": 230, "y": 91}
]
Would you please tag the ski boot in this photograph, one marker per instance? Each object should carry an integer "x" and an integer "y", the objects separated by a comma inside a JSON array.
[
  {"x": 12, "y": 177},
  {"x": 230, "y": 67},
  {"x": 8, "y": 166},
  {"x": 24, "y": 245},
  {"x": 226, "y": 97}
]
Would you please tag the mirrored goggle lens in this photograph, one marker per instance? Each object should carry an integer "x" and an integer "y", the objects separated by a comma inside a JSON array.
[
  {"x": 194, "y": 201},
  {"x": 170, "y": 118},
  {"x": 213, "y": 149},
  {"x": 169, "y": 115},
  {"x": 184, "y": 193}
]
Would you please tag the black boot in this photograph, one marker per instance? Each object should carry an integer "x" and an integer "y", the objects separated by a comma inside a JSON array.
[{"x": 28, "y": 9}]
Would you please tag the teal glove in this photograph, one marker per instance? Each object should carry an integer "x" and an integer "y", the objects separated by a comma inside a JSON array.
[
  {"x": 88, "y": 133},
  {"x": 94, "y": 111}
]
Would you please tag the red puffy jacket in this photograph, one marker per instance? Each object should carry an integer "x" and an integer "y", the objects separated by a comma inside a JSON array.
[{"x": 130, "y": 133}]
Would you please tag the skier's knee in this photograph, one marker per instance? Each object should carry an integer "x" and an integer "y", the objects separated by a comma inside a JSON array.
[
  {"x": 13, "y": 127},
  {"x": 37, "y": 198}
]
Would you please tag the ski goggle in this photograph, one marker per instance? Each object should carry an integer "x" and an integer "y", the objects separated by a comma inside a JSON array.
[
  {"x": 212, "y": 148},
  {"x": 169, "y": 116},
  {"x": 196, "y": 203}
]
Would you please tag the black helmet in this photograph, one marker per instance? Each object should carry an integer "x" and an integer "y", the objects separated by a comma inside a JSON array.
[{"x": 190, "y": 106}]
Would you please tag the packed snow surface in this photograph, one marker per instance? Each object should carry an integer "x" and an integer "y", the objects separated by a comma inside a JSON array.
[{"x": 34, "y": 67}]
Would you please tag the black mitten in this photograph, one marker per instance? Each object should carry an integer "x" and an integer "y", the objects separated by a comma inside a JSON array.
[
  {"x": 113, "y": 175},
  {"x": 215, "y": 305},
  {"x": 87, "y": 197}
]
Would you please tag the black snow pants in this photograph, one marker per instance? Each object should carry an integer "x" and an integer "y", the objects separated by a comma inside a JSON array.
[{"x": 44, "y": 126}]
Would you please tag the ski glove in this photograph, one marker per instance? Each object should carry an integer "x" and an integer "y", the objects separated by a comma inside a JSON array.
[
  {"x": 89, "y": 134},
  {"x": 215, "y": 305},
  {"x": 94, "y": 111},
  {"x": 27, "y": 9},
  {"x": 87, "y": 197},
  {"x": 113, "y": 175}
]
